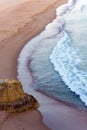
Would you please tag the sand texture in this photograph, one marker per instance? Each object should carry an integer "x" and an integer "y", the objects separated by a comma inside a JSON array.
[{"x": 21, "y": 20}]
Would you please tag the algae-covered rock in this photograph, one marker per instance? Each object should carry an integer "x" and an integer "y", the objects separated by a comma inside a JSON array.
[{"x": 13, "y": 98}]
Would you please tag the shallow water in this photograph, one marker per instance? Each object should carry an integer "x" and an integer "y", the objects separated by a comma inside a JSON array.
[
  {"x": 57, "y": 56},
  {"x": 69, "y": 56},
  {"x": 46, "y": 79}
]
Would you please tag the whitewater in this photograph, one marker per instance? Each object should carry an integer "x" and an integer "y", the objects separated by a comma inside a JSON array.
[
  {"x": 54, "y": 62},
  {"x": 66, "y": 56}
]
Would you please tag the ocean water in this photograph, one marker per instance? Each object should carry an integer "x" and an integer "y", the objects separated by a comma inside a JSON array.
[{"x": 57, "y": 57}]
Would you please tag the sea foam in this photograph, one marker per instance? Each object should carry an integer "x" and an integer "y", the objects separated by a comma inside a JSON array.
[{"x": 66, "y": 56}]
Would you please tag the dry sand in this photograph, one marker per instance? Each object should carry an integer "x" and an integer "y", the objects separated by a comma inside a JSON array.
[{"x": 19, "y": 22}]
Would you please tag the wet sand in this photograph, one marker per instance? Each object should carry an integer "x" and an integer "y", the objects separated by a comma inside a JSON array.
[{"x": 19, "y": 22}]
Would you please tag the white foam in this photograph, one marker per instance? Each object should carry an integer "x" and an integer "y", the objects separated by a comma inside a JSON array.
[{"x": 65, "y": 58}]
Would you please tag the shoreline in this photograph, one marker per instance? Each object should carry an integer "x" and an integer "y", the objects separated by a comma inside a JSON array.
[
  {"x": 53, "y": 111},
  {"x": 23, "y": 34},
  {"x": 54, "y": 114},
  {"x": 32, "y": 80},
  {"x": 10, "y": 47}
]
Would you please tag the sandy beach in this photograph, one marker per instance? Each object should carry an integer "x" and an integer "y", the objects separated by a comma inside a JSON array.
[{"x": 19, "y": 22}]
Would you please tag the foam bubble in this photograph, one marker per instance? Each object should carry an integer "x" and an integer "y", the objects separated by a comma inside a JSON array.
[{"x": 65, "y": 58}]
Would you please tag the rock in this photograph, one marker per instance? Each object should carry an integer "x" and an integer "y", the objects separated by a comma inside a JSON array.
[{"x": 13, "y": 98}]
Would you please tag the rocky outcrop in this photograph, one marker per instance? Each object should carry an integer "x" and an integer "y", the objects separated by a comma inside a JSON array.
[{"x": 13, "y": 98}]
